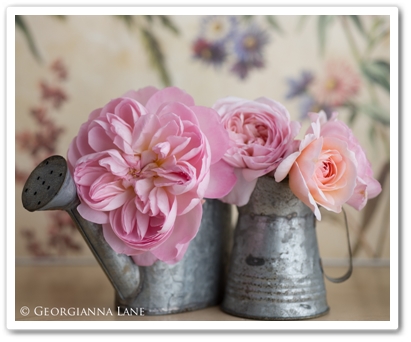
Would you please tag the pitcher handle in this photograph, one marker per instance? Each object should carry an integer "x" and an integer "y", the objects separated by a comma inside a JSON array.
[{"x": 347, "y": 275}]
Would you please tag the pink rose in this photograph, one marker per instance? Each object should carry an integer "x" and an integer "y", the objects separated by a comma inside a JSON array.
[
  {"x": 261, "y": 136},
  {"x": 142, "y": 165},
  {"x": 366, "y": 186},
  {"x": 327, "y": 168}
]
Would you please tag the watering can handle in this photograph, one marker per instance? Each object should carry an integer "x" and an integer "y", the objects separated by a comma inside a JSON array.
[{"x": 349, "y": 271}]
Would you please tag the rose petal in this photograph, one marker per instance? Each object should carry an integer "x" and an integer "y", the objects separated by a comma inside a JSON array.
[
  {"x": 142, "y": 95},
  {"x": 166, "y": 95},
  {"x": 213, "y": 129},
  {"x": 144, "y": 259},
  {"x": 91, "y": 215},
  {"x": 242, "y": 190},
  {"x": 222, "y": 180},
  {"x": 115, "y": 242},
  {"x": 299, "y": 187},
  {"x": 185, "y": 229}
]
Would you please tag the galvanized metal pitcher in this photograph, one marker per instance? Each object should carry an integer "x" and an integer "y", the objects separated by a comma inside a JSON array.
[
  {"x": 193, "y": 283},
  {"x": 275, "y": 271}
]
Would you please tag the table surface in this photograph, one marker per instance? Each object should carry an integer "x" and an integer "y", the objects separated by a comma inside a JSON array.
[{"x": 364, "y": 297}]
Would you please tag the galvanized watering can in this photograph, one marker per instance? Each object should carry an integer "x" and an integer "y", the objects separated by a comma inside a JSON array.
[
  {"x": 193, "y": 283},
  {"x": 275, "y": 271}
]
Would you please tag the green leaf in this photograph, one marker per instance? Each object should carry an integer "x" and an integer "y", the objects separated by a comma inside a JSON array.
[
  {"x": 274, "y": 23},
  {"x": 353, "y": 115},
  {"x": 167, "y": 22},
  {"x": 377, "y": 38},
  {"x": 376, "y": 113},
  {"x": 149, "y": 18},
  {"x": 60, "y": 17},
  {"x": 246, "y": 18},
  {"x": 156, "y": 55},
  {"x": 377, "y": 71},
  {"x": 301, "y": 22},
  {"x": 20, "y": 23},
  {"x": 372, "y": 203},
  {"x": 358, "y": 23},
  {"x": 371, "y": 134},
  {"x": 323, "y": 23},
  {"x": 128, "y": 20}
]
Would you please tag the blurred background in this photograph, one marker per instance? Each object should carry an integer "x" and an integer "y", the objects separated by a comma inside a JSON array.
[{"x": 67, "y": 66}]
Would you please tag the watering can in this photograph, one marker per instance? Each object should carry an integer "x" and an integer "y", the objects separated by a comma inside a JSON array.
[{"x": 193, "y": 283}]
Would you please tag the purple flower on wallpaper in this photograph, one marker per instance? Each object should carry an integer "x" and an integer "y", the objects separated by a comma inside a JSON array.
[
  {"x": 242, "y": 68},
  {"x": 299, "y": 85},
  {"x": 309, "y": 105},
  {"x": 209, "y": 52},
  {"x": 231, "y": 41},
  {"x": 248, "y": 45}
]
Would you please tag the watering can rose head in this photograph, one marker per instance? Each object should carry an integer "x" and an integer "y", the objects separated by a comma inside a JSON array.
[
  {"x": 142, "y": 165},
  {"x": 261, "y": 136},
  {"x": 330, "y": 168}
]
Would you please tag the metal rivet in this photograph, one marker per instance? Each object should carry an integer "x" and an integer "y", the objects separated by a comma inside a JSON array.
[
  {"x": 38, "y": 202},
  {"x": 48, "y": 187},
  {"x": 35, "y": 193},
  {"x": 60, "y": 174},
  {"x": 27, "y": 189},
  {"x": 51, "y": 171},
  {"x": 38, "y": 177},
  {"x": 43, "y": 182}
]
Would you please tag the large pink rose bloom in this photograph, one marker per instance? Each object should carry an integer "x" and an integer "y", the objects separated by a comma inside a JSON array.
[
  {"x": 142, "y": 165},
  {"x": 328, "y": 168},
  {"x": 261, "y": 136}
]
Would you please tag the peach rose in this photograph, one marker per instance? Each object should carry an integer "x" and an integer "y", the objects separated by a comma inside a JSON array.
[
  {"x": 366, "y": 186},
  {"x": 322, "y": 172}
]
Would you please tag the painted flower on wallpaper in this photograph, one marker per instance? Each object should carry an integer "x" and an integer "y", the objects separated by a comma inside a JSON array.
[
  {"x": 213, "y": 53},
  {"x": 248, "y": 45},
  {"x": 261, "y": 136},
  {"x": 218, "y": 28},
  {"x": 330, "y": 168},
  {"x": 336, "y": 87},
  {"x": 143, "y": 164},
  {"x": 38, "y": 143},
  {"x": 248, "y": 49},
  {"x": 299, "y": 85},
  {"x": 211, "y": 45},
  {"x": 308, "y": 104},
  {"x": 226, "y": 40}
]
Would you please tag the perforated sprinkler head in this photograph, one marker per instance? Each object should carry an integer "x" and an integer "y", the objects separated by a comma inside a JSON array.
[{"x": 50, "y": 186}]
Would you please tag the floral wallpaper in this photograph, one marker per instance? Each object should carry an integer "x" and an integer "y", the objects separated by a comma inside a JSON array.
[{"x": 66, "y": 66}]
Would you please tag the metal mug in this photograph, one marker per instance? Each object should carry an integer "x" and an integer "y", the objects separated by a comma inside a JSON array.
[
  {"x": 275, "y": 271},
  {"x": 193, "y": 283}
]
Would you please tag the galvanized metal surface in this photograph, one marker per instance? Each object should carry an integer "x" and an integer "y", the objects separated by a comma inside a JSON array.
[
  {"x": 51, "y": 187},
  {"x": 274, "y": 271},
  {"x": 194, "y": 283}
]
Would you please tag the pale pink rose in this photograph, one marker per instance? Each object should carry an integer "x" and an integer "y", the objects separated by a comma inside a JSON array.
[
  {"x": 261, "y": 136},
  {"x": 366, "y": 186},
  {"x": 142, "y": 165},
  {"x": 329, "y": 168}
]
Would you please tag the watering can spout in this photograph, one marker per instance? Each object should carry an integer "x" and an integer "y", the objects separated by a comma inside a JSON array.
[{"x": 51, "y": 187}]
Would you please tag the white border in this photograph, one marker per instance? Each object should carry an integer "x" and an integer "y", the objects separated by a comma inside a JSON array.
[{"x": 176, "y": 325}]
